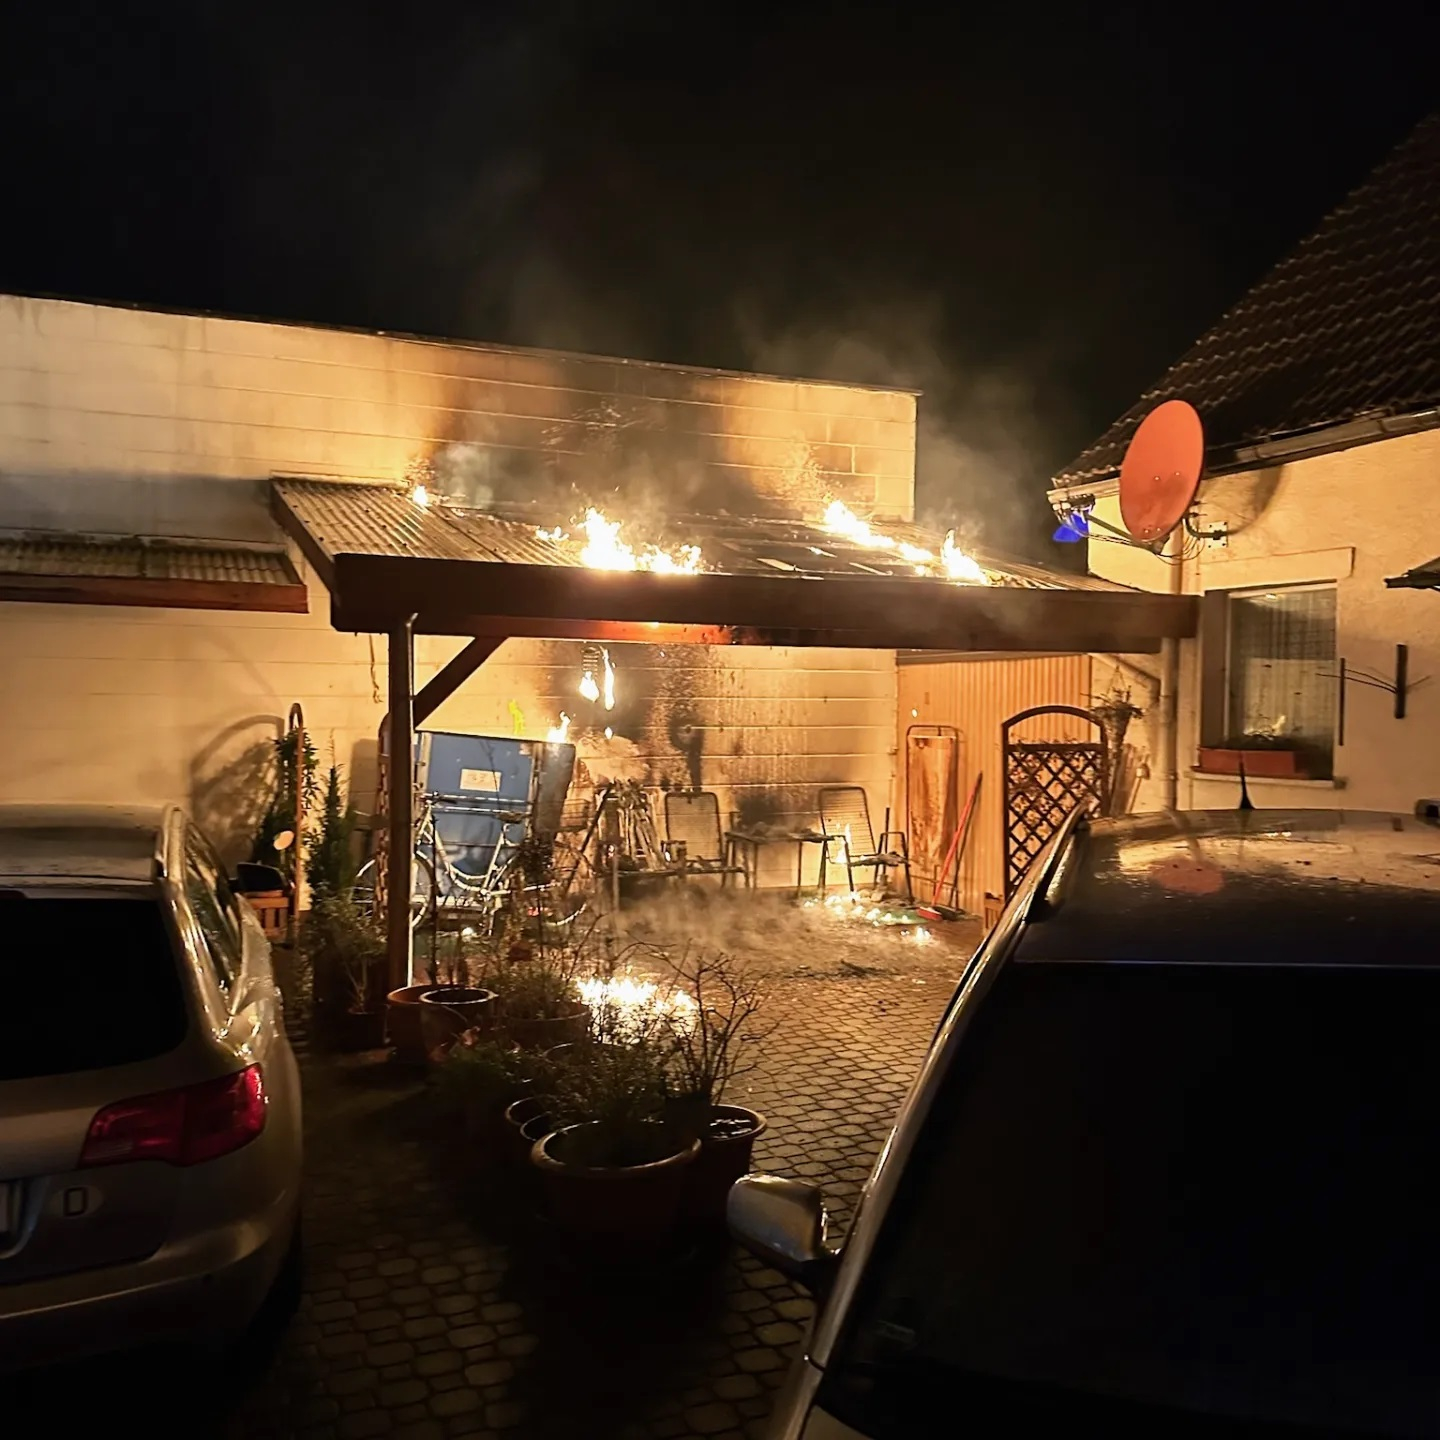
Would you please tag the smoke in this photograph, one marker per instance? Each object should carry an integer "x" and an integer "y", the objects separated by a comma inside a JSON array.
[{"x": 986, "y": 434}]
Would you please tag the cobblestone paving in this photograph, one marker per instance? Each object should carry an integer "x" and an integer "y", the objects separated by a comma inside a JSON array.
[{"x": 436, "y": 1304}]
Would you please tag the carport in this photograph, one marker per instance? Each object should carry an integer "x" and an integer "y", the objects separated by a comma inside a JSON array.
[{"x": 400, "y": 568}]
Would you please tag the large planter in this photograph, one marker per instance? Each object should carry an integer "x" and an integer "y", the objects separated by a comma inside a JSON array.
[
  {"x": 636, "y": 1203},
  {"x": 520, "y": 1121},
  {"x": 532, "y": 1034},
  {"x": 402, "y": 1023},
  {"x": 1259, "y": 764},
  {"x": 448, "y": 1011},
  {"x": 725, "y": 1150}
]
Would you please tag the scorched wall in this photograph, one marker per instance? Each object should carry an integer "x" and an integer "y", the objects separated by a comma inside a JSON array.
[{"x": 124, "y": 421}]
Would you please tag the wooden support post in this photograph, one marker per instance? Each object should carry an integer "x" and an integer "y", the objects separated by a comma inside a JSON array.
[{"x": 400, "y": 817}]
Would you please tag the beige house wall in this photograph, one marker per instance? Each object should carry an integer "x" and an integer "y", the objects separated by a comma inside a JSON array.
[
  {"x": 117, "y": 420},
  {"x": 1354, "y": 517}
]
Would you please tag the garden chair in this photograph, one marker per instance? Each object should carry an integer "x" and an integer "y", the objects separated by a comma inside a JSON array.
[
  {"x": 845, "y": 820},
  {"x": 692, "y": 817}
]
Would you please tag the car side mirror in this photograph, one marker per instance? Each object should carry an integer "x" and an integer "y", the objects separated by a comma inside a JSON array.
[{"x": 783, "y": 1223}]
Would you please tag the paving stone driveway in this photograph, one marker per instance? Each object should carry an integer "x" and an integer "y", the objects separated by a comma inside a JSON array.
[{"x": 433, "y": 1307}]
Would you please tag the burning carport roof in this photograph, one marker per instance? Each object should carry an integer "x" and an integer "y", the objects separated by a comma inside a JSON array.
[{"x": 462, "y": 571}]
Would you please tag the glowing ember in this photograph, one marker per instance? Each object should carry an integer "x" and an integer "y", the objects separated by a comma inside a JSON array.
[
  {"x": 952, "y": 562},
  {"x": 558, "y": 734}
]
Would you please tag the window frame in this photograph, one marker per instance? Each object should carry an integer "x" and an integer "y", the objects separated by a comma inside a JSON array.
[{"x": 1217, "y": 628}]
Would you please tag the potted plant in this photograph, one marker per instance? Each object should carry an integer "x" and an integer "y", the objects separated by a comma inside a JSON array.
[
  {"x": 709, "y": 1046},
  {"x": 448, "y": 1011},
  {"x": 296, "y": 764},
  {"x": 478, "y": 1078},
  {"x": 347, "y": 959},
  {"x": 537, "y": 1003},
  {"x": 612, "y": 1170},
  {"x": 1113, "y": 712}
]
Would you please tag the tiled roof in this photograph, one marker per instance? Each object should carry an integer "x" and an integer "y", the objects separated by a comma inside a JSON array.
[{"x": 1347, "y": 326}]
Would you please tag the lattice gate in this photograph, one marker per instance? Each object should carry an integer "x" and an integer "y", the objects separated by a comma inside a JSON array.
[{"x": 1044, "y": 781}]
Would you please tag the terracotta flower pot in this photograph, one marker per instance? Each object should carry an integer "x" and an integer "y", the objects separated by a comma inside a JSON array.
[
  {"x": 402, "y": 1023},
  {"x": 532, "y": 1034},
  {"x": 726, "y": 1147},
  {"x": 447, "y": 1011},
  {"x": 518, "y": 1115},
  {"x": 614, "y": 1203}
]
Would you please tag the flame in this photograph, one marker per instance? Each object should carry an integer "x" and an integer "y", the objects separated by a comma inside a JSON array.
[
  {"x": 625, "y": 1003},
  {"x": 421, "y": 496},
  {"x": 952, "y": 562},
  {"x": 557, "y": 734},
  {"x": 609, "y": 681},
  {"x": 959, "y": 566},
  {"x": 589, "y": 690},
  {"x": 605, "y": 550}
]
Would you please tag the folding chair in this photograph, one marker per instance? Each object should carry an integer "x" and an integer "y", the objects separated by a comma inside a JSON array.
[
  {"x": 692, "y": 817},
  {"x": 845, "y": 818}
]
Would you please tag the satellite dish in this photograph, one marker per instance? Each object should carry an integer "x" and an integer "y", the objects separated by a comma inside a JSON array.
[{"x": 1161, "y": 471}]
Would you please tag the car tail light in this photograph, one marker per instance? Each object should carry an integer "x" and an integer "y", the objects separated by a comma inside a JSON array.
[{"x": 180, "y": 1127}]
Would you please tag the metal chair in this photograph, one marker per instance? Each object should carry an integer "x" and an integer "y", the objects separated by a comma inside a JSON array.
[
  {"x": 692, "y": 818},
  {"x": 845, "y": 818}
]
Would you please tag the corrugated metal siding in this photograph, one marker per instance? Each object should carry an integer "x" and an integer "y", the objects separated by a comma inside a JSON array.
[{"x": 976, "y": 697}]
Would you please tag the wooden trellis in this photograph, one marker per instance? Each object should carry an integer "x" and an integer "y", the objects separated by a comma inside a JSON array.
[{"x": 1044, "y": 781}]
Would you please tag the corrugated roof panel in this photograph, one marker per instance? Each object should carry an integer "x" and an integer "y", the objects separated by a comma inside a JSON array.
[
  {"x": 350, "y": 518},
  {"x": 141, "y": 557}
]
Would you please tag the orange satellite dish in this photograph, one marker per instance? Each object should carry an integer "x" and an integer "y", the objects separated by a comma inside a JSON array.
[{"x": 1161, "y": 471}]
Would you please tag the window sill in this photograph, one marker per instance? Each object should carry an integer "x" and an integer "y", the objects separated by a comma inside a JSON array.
[{"x": 1262, "y": 781}]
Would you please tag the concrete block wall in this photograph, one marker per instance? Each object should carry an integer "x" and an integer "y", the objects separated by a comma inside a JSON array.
[{"x": 119, "y": 420}]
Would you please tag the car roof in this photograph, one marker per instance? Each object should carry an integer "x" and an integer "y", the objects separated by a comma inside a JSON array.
[
  {"x": 1233, "y": 887},
  {"x": 85, "y": 842}
]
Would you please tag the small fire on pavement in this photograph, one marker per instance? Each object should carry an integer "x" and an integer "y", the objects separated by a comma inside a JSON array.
[{"x": 854, "y": 907}]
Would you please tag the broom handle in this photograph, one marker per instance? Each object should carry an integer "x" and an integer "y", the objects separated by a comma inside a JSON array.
[{"x": 962, "y": 832}]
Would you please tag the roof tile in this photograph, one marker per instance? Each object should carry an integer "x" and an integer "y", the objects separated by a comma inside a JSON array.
[{"x": 1347, "y": 325}]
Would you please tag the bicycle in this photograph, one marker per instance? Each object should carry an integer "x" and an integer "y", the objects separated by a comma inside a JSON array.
[{"x": 439, "y": 881}]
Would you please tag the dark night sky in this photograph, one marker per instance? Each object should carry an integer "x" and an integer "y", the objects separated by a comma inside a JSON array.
[{"x": 1027, "y": 212}]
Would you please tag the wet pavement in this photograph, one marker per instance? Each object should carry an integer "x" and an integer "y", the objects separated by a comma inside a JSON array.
[{"x": 436, "y": 1302}]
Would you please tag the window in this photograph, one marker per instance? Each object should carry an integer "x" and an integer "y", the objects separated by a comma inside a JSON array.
[
  {"x": 1270, "y": 672},
  {"x": 114, "y": 951},
  {"x": 214, "y": 908}
]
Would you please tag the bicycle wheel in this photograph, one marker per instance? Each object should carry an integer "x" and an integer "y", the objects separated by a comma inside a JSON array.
[{"x": 422, "y": 890}]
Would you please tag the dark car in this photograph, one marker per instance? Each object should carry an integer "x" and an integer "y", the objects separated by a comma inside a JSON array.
[{"x": 1171, "y": 1165}]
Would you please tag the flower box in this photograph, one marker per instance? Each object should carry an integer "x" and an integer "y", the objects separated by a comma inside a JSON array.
[{"x": 1268, "y": 763}]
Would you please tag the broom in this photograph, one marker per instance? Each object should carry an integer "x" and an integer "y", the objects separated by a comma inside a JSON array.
[{"x": 935, "y": 910}]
